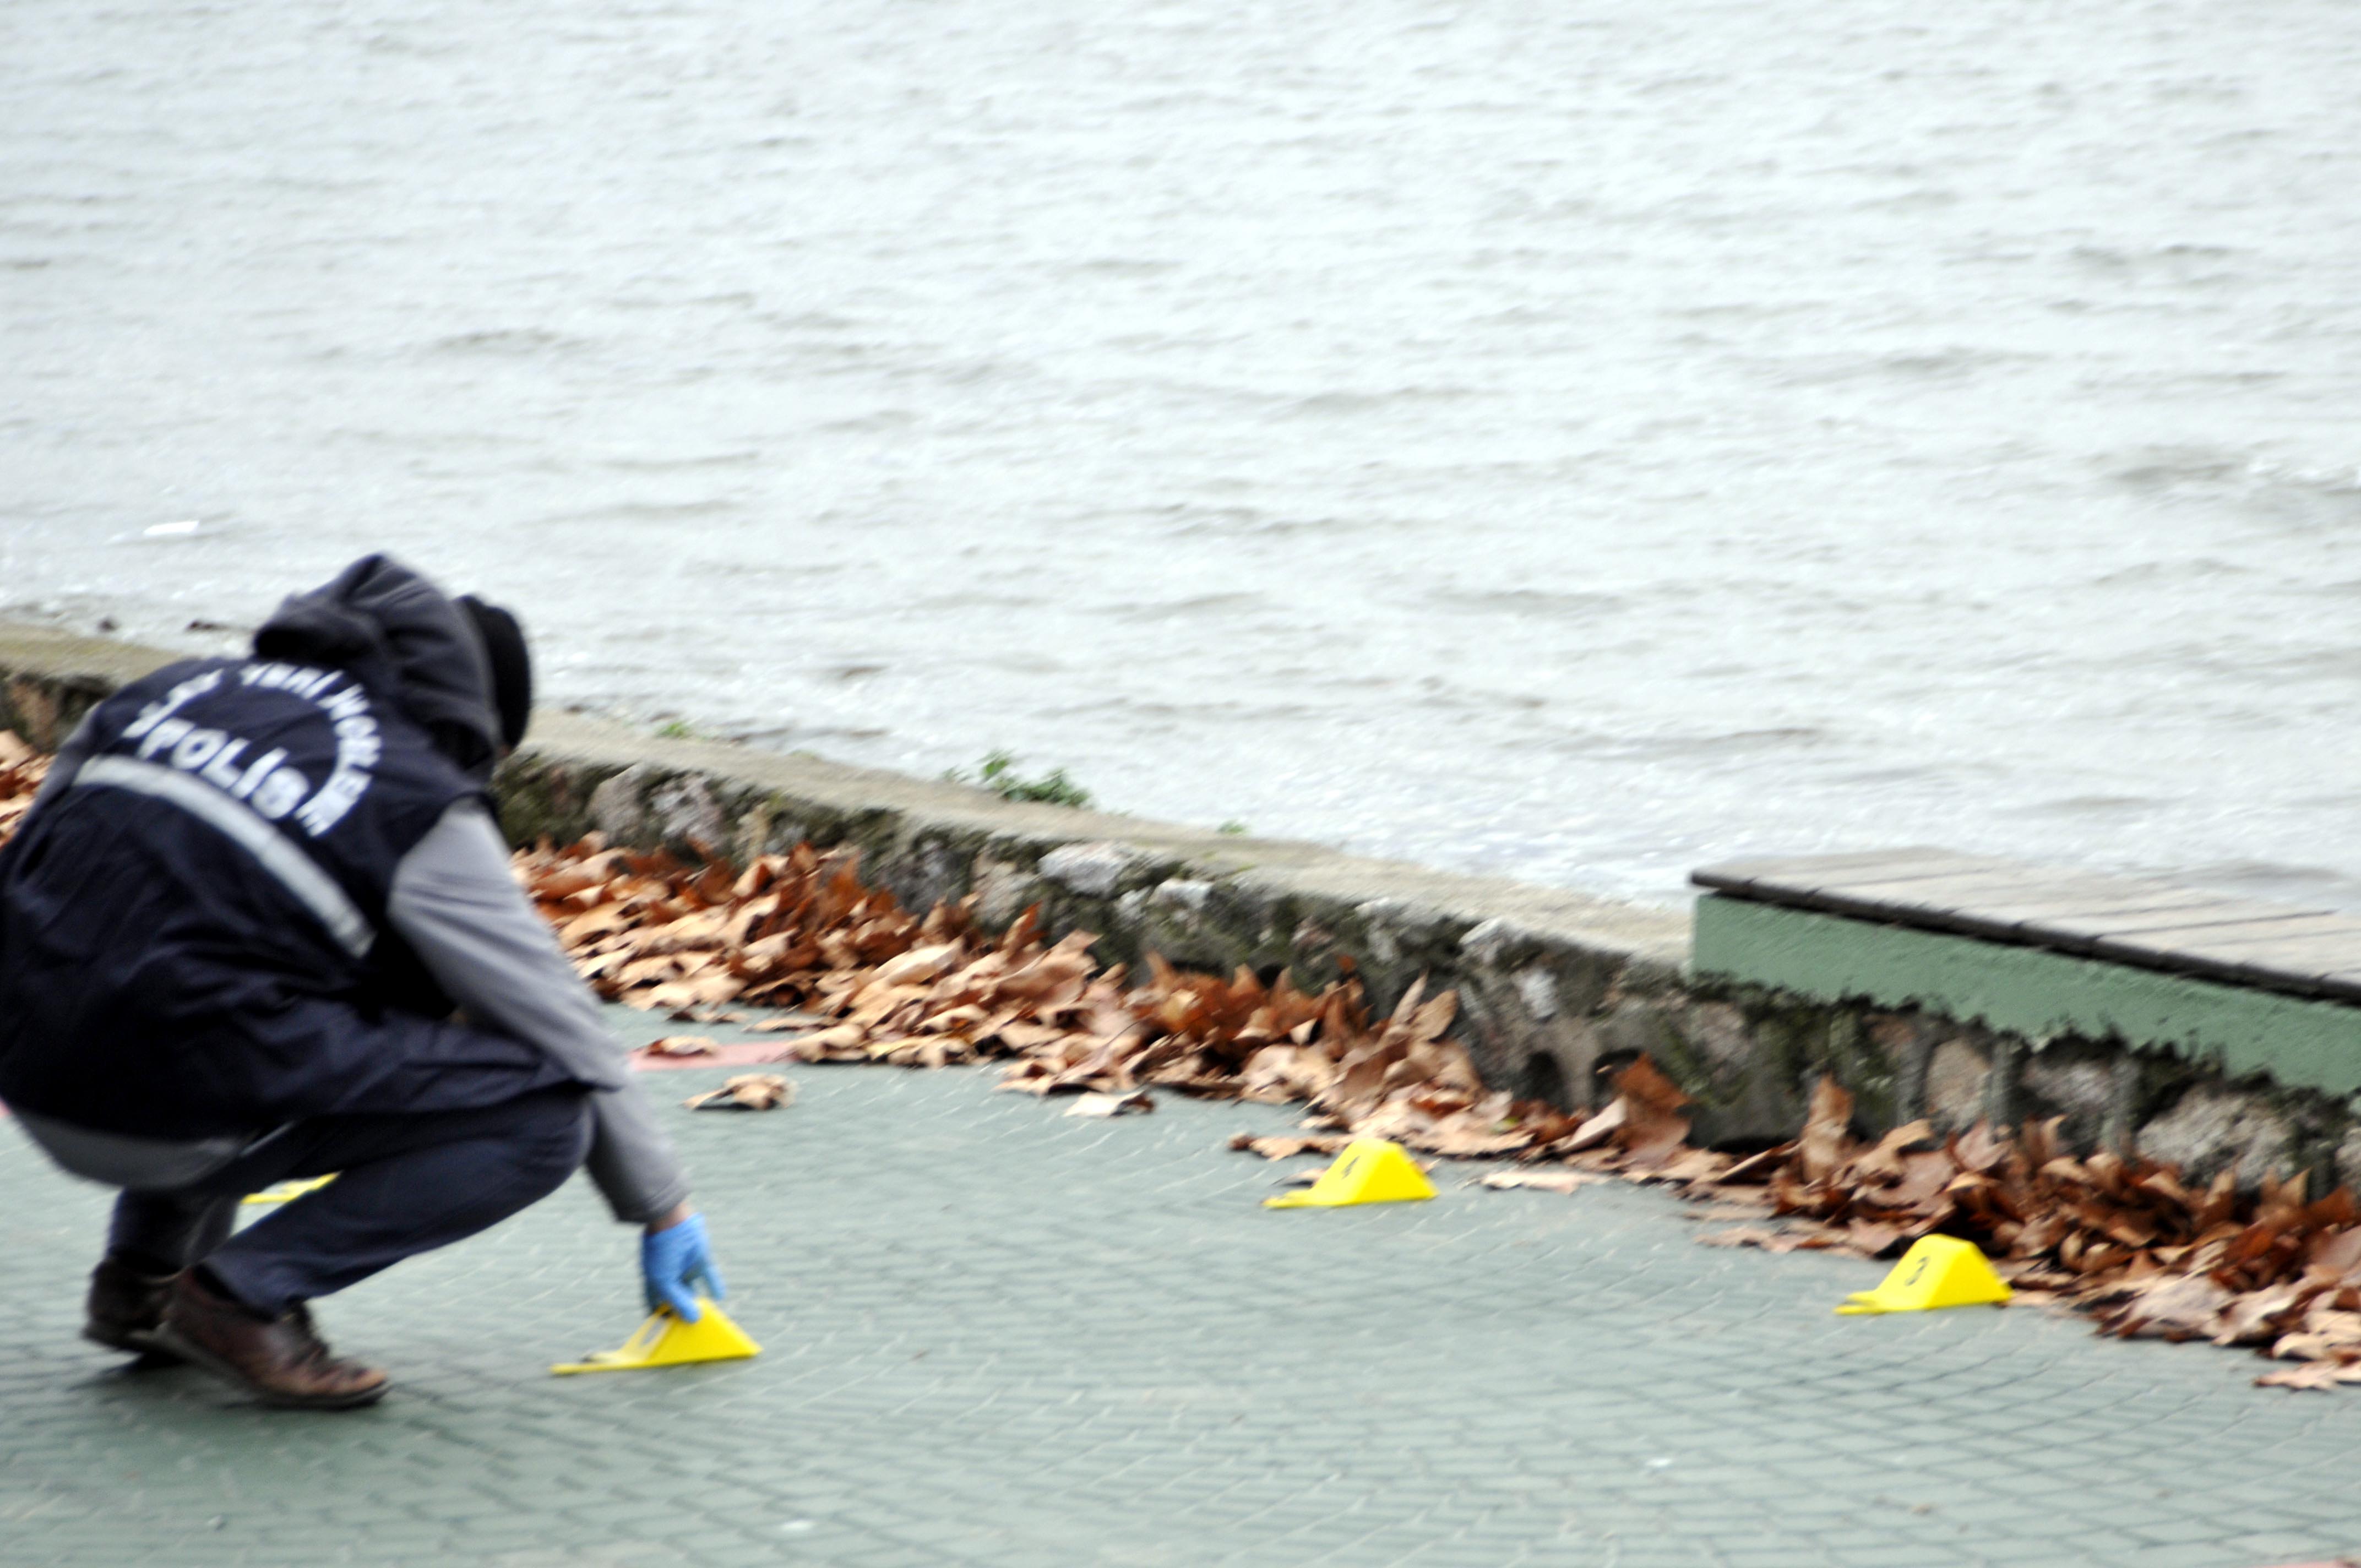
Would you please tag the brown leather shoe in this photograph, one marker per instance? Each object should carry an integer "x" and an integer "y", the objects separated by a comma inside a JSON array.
[
  {"x": 124, "y": 1307},
  {"x": 280, "y": 1361}
]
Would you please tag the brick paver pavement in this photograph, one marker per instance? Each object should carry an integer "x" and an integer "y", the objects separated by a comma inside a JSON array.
[{"x": 997, "y": 1335}]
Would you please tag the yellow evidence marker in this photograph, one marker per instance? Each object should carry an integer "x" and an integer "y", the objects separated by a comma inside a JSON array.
[
  {"x": 1940, "y": 1271},
  {"x": 281, "y": 1192},
  {"x": 1369, "y": 1170},
  {"x": 665, "y": 1341}
]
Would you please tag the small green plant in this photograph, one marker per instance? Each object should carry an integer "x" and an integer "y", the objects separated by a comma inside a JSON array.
[
  {"x": 1233, "y": 827},
  {"x": 676, "y": 729},
  {"x": 997, "y": 773}
]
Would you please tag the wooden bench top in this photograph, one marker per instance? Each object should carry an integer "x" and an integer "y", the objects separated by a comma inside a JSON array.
[{"x": 2129, "y": 920}]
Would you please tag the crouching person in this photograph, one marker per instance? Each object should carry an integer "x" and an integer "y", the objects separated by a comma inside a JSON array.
[{"x": 259, "y": 925}]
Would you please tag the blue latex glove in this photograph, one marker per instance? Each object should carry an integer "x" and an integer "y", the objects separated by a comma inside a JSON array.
[{"x": 675, "y": 1261}]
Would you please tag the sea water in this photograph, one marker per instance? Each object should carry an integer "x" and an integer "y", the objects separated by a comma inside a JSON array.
[{"x": 1576, "y": 440}]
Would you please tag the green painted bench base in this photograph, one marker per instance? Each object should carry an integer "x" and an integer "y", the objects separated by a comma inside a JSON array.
[{"x": 2039, "y": 994}]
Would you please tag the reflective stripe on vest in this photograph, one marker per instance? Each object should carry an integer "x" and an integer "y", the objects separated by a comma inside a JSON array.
[{"x": 296, "y": 872}]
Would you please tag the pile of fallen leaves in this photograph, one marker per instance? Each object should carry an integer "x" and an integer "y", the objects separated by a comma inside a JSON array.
[
  {"x": 2121, "y": 1237},
  {"x": 868, "y": 981},
  {"x": 21, "y": 771},
  {"x": 644, "y": 929}
]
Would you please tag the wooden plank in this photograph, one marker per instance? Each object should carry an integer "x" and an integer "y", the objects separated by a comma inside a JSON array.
[
  {"x": 2155, "y": 927},
  {"x": 2078, "y": 929},
  {"x": 2249, "y": 926},
  {"x": 2074, "y": 923},
  {"x": 2311, "y": 976},
  {"x": 1935, "y": 899},
  {"x": 2075, "y": 908},
  {"x": 1917, "y": 878},
  {"x": 1761, "y": 876},
  {"x": 2140, "y": 922},
  {"x": 2190, "y": 910},
  {"x": 2295, "y": 953},
  {"x": 2299, "y": 934},
  {"x": 1972, "y": 889},
  {"x": 1928, "y": 888},
  {"x": 1913, "y": 881},
  {"x": 2298, "y": 962}
]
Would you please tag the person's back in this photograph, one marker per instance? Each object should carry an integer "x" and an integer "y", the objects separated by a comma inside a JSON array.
[{"x": 155, "y": 983}]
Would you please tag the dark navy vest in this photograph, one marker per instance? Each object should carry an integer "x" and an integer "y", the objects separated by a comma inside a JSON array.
[{"x": 192, "y": 933}]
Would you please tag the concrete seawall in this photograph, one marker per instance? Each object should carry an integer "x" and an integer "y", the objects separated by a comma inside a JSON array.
[{"x": 1556, "y": 988}]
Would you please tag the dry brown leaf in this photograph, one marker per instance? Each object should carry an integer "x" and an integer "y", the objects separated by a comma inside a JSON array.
[
  {"x": 1469, "y": 1135},
  {"x": 1827, "y": 1131},
  {"x": 2250, "y": 1319},
  {"x": 1758, "y": 1167},
  {"x": 1924, "y": 1178},
  {"x": 1875, "y": 1238},
  {"x": 1287, "y": 1147},
  {"x": 1653, "y": 1133},
  {"x": 1723, "y": 1210},
  {"x": 1596, "y": 1131},
  {"x": 777, "y": 1022},
  {"x": 2174, "y": 1307},
  {"x": 2330, "y": 1332},
  {"x": 1693, "y": 1165},
  {"x": 746, "y": 1091},
  {"x": 1979, "y": 1148},
  {"x": 1111, "y": 1104},
  {"x": 2337, "y": 1250},
  {"x": 2312, "y": 1375},
  {"x": 1882, "y": 1164},
  {"x": 1539, "y": 1180}
]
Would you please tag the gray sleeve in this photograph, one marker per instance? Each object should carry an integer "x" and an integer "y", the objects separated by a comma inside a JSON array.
[{"x": 457, "y": 905}]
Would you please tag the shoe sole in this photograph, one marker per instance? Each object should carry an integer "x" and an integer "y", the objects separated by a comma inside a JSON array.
[
  {"x": 172, "y": 1344},
  {"x": 147, "y": 1355},
  {"x": 131, "y": 1342}
]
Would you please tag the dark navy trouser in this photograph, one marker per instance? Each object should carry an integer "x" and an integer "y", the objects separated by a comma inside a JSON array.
[{"x": 409, "y": 1182}]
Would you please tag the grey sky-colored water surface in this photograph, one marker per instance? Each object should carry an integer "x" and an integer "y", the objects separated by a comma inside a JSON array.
[{"x": 1575, "y": 440}]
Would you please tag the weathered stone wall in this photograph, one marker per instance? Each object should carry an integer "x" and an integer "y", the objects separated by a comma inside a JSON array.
[
  {"x": 1557, "y": 988},
  {"x": 1751, "y": 1055},
  {"x": 49, "y": 679},
  {"x": 1551, "y": 982}
]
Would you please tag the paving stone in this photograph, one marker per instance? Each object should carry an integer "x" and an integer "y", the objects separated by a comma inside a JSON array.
[{"x": 998, "y": 1337}]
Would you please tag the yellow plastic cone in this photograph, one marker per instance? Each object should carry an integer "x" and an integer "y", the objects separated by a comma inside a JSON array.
[
  {"x": 665, "y": 1341},
  {"x": 281, "y": 1192},
  {"x": 1369, "y": 1170},
  {"x": 1940, "y": 1271}
]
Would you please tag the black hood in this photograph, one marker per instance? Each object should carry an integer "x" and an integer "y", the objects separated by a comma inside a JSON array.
[{"x": 401, "y": 637}]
